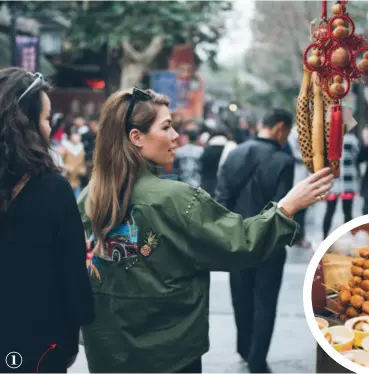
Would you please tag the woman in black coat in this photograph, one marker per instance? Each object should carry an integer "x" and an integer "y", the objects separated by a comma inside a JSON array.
[{"x": 45, "y": 290}]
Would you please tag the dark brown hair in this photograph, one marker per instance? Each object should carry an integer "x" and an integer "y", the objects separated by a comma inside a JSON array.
[
  {"x": 23, "y": 149},
  {"x": 117, "y": 161}
]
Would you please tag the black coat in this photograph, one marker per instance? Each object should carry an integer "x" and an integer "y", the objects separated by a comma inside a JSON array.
[
  {"x": 255, "y": 173},
  {"x": 45, "y": 289},
  {"x": 209, "y": 162}
]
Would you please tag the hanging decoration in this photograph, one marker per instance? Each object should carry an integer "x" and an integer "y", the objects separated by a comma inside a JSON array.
[{"x": 335, "y": 58}]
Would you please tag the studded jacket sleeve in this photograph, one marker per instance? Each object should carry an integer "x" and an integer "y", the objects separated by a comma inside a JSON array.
[{"x": 219, "y": 240}]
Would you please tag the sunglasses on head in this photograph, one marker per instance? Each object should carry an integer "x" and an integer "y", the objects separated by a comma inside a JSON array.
[
  {"x": 137, "y": 95},
  {"x": 38, "y": 79}
]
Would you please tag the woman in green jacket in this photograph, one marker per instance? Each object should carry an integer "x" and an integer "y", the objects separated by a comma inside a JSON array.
[{"x": 155, "y": 242}]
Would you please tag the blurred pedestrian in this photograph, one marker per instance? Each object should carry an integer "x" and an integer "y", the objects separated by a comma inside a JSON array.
[
  {"x": 363, "y": 160},
  {"x": 57, "y": 135},
  {"x": 156, "y": 240},
  {"x": 80, "y": 125},
  {"x": 88, "y": 140},
  {"x": 45, "y": 291},
  {"x": 256, "y": 172},
  {"x": 217, "y": 148},
  {"x": 346, "y": 186},
  {"x": 74, "y": 161},
  {"x": 57, "y": 129},
  {"x": 187, "y": 161}
]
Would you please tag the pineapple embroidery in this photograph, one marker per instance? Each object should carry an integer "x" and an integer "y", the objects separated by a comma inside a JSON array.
[{"x": 151, "y": 242}]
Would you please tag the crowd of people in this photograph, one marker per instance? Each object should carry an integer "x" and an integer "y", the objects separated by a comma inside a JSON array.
[
  {"x": 203, "y": 152},
  {"x": 143, "y": 303}
]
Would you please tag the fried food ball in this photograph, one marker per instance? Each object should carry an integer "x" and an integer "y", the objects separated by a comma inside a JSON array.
[
  {"x": 358, "y": 261},
  {"x": 340, "y": 308},
  {"x": 345, "y": 287},
  {"x": 358, "y": 291},
  {"x": 351, "y": 312},
  {"x": 355, "y": 281},
  {"x": 366, "y": 264},
  {"x": 345, "y": 297},
  {"x": 365, "y": 285},
  {"x": 366, "y": 274},
  {"x": 364, "y": 252},
  {"x": 367, "y": 295},
  {"x": 357, "y": 301},
  {"x": 357, "y": 271},
  {"x": 365, "y": 307},
  {"x": 343, "y": 317}
]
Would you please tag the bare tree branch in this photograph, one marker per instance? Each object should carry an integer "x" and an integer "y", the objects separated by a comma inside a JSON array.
[{"x": 148, "y": 54}]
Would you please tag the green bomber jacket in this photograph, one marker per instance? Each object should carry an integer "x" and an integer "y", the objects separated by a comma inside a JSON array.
[{"x": 151, "y": 290}]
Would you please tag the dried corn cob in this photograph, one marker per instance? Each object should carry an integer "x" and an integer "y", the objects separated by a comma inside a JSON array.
[
  {"x": 303, "y": 122},
  {"x": 317, "y": 131}
]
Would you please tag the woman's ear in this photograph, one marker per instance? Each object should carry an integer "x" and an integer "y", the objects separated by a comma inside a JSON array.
[{"x": 136, "y": 138}]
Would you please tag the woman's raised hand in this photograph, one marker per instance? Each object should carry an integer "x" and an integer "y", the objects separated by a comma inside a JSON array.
[{"x": 308, "y": 192}]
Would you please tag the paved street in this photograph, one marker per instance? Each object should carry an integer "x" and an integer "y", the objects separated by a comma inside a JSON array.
[{"x": 293, "y": 346}]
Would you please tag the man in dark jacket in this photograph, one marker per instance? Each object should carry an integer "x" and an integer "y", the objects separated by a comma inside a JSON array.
[
  {"x": 88, "y": 140},
  {"x": 256, "y": 172}
]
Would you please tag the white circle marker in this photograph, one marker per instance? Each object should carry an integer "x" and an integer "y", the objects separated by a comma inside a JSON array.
[{"x": 13, "y": 360}]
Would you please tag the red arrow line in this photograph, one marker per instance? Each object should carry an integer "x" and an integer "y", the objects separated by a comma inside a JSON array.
[{"x": 51, "y": 347}]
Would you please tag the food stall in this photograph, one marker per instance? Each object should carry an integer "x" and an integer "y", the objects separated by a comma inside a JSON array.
[{"x": 340, "y": 298}]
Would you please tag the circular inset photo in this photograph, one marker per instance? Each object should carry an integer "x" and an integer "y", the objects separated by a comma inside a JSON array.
[{"x": 336, "y": 299}]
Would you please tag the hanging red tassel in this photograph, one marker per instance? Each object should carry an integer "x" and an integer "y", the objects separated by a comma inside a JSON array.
[
  {"x": 336, "y": 134},
  {"x": 324, "y": 9}
]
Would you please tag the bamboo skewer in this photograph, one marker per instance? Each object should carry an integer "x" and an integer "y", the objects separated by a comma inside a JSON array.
[
  {"x": 332, "y": 311},
  {"x": 330, "y": 288}
]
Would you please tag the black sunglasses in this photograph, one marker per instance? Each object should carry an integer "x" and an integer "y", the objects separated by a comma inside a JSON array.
[
  {"x": 39, "y": 79},
  {"x": 137, "y": 95}
]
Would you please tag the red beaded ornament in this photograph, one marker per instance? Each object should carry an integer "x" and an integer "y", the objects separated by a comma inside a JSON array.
[
  {"x": 339, "y": 48},
  {"x": 335, "y": 52}
]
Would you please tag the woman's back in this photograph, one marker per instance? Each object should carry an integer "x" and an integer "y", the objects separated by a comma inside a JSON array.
[{"x": 43, "y": 291}]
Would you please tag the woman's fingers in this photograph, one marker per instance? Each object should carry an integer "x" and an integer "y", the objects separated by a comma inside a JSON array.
[
  {"x": 324, "y": 189},
  {"x": 322, "y": 181},
  {"x": 321, "y": 197},
  {"x": 318, "y": 175}
]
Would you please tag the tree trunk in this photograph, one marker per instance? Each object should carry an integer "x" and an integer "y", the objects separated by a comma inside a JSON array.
[
  {"x": 134, "y": 63},
  {"x": 131, "y": 74}
]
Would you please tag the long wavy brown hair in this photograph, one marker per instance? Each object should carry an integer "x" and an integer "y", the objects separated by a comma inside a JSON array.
[
  {"x": 117, "y": 161},
  {"x": 23, "y": 148}
]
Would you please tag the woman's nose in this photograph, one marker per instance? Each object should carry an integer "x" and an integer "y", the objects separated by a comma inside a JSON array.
[{"x": 175, "y": 135}]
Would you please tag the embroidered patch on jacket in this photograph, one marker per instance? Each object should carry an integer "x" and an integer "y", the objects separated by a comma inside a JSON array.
[
  {"x": 121, "y": 242},
  {"x": 93, "y": 269},
  {"x": 151, "y": 242}
]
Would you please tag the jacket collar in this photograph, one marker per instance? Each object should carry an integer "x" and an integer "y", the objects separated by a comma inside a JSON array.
[{"x": 269, "y": 141}]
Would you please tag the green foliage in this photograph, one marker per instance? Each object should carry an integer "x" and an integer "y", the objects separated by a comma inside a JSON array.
[
  {"x": 275, "y": 55},
  {"x": 94, "y": 23}
]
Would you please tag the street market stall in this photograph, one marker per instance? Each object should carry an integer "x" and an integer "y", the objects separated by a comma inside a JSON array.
[{"x": 340, "y": 297}]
